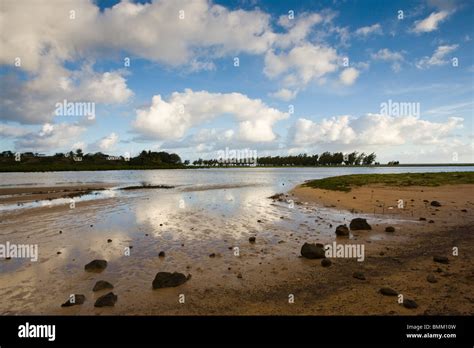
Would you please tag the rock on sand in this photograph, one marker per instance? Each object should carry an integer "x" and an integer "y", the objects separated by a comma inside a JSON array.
[
  {"x": 169, "y": 280},
  {"x": 313, "y": 251},
  {"x": 96, "y": 266},
  {"x": 359, "y": 224}
]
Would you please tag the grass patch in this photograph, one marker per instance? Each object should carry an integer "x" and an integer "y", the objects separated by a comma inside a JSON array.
[{"x": 346, "y": 182}]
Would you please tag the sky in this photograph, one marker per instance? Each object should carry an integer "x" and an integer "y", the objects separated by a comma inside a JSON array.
[{"x": 196, "y": 77}]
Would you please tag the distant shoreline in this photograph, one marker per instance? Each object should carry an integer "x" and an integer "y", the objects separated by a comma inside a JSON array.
[{"x": 78, "y": 168}]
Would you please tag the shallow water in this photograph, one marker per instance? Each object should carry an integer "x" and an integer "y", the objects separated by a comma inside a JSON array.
[
  {"x": 277, "y": 177},
  {"x": 263, "y": 180},
  {"x": 208, "y": 211}
]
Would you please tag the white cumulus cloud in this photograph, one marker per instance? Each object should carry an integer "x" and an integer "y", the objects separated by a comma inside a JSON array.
[
  {"x": 307, "y": 62},
  {"x": 108, "y": 143},
  {"x": 171, "y": 119},
  {"x": 54, "y": 138},
  {"x": 349, "y": 76},
  {"x": 431, "y": 22},
  {"x": 373, "y": 129},
  {"x": 438, "y": 58},
  {"x": 43, "y": 35},
  {"x": 387, "y": 55},
  {"x": 284, "y": 94},
  {"x": 369, "y": 30}
]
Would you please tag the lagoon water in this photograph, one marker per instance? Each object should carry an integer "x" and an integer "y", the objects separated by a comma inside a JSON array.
[
  {"x": 226, "y": 184},
  {"x": 233, "y": 186}
]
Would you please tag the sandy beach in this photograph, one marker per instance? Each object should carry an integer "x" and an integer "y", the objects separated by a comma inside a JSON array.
[
  {"x": 430, "y": 231},
  {"x": 267, "y": 276}
]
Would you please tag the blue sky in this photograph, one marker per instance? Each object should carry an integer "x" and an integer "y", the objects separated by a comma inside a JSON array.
[{"x": 333, "y": 62}]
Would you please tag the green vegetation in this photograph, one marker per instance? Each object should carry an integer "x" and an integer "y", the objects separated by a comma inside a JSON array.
[
  {"x": 30, "y": 162},
  {"x": 78, "y": 161},
  {"x": 324, "y": 159},
  {"x": 346, "y": 182},
  {"x": 301, "y": 160}
]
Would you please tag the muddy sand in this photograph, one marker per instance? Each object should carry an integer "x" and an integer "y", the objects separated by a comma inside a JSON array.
[
  {"x": 21, "y": 195},
  {"x": 268, "y": 276}
]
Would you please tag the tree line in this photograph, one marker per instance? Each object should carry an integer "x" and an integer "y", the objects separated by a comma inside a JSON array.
[
  {"x": 145, "y": 157},
  {"x": 324, "y": 159},
  {"x": 77, "y": 160}
]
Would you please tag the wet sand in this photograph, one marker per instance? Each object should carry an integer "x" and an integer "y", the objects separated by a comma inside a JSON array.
[
  {"x": 37, "y": 193},
  {"x": 265, "y": 274}
]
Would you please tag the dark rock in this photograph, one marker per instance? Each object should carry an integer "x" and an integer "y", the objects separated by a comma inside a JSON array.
[
  {"x": 259, "y": 221},
  {"x": 358, "y": 275},
  {"x": 239, "y": 275},
  {"x": 109, "y": 240},
  {"x": 107, "y": 300},
  {"x": 252, "y": 239},
  {"x": 60, "y": 232},
  {"x": 431, "y": 222},
  {"x": 422, "y": 219},
  {"x": 161, "y": 254},
  {"x": 389, "y": 229},
  {"x": 168, "y": 280},
  {"x": 326, "y": 262},
  {"x": 464, "y": 210},
  {"x": 410, "y": 304},
  {"x": 359, "y": 224},
  {"x": 313, "y": 251},
  {"x": 212, "y": 255},
  {"x": 441, "y": 259},
  {"x": 101, "y": 285},
  {"x": 431, "y": 279},
  {"x": 342, "y": 230},
  {"x": 388, "y": 292},
  {"x": 435, "y": 204},
  {"x": 78, "y": 300},
  {"x": 58, "y": 253},
  {"x": 96, "y": 266}
]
